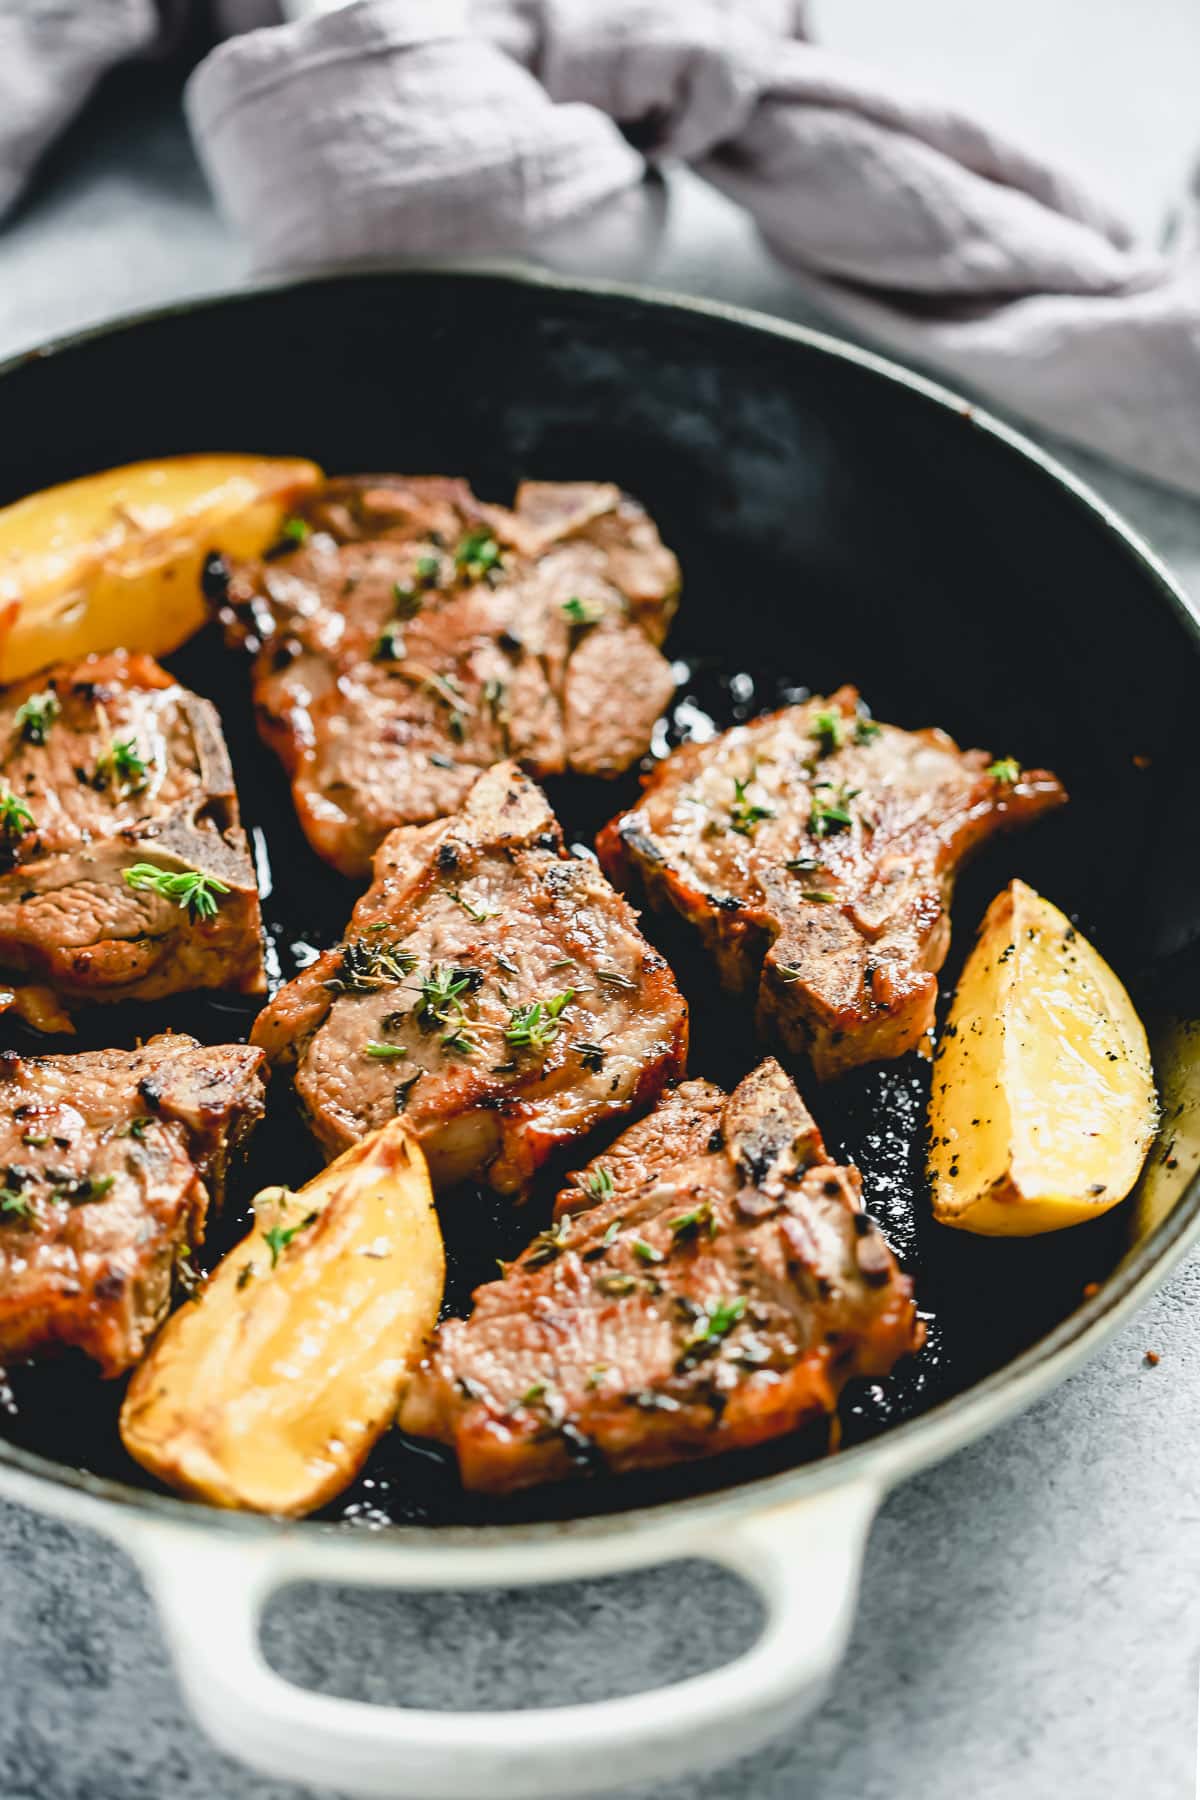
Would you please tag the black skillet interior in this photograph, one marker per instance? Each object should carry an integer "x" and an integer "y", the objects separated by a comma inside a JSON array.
[{"x": 833, "y": 526}]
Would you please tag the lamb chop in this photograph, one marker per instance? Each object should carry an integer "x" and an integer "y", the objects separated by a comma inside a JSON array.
[
  {"x": 492, "y": 988},
  {"x": 815, "y": 853},
  {"x": 408, "y": 636},
  {"x": 105, "y": 1158},
  {"x": 123, "y": 868},
  {"x": 710, "y": 1282}
]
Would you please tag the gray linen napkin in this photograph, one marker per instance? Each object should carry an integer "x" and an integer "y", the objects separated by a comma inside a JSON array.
[{"x": 427, "y": 126}]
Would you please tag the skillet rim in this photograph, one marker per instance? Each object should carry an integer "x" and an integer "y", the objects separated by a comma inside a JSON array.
[{"x": 901, "y": 1449}]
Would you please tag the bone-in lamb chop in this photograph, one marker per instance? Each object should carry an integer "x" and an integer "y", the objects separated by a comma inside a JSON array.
[
  {"x": 492, "y": 988},
  {"x": 815, "y": 852},
  {"x": 105, "y": 1158},
  {"x": 710, "y": 1282},
  {"x": 123, "y": 867},
  {"x": 408, "y": 636}
]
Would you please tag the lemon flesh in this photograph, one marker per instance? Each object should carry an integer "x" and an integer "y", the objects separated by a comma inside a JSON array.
[
  {"x": 1043, "y": 1104},
  {"x": 114, "y": 560}
]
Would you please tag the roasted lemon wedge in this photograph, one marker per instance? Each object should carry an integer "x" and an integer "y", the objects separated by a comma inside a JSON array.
[
  {"x": 269, "y": 1390},
  {"x": 114, "y": 560},
  {"x": 1043, "y": 1102}
]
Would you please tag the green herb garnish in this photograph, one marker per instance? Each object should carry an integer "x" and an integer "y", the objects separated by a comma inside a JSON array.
[
  {"x": 828, "y": 816},
  {"x": 690, "y": 1224},
  {"x": 121, "y": 767},
  {"x": 278, "y": 1237},
  {"x": 710, "y": 1330},
  {"x": 35, "y": 716},
  {"x": 428, "y": 569},
  {"x": 477, "y": 555},
  {"x": 478, "y": 913},
  {"x": 1006, "y": 771},
  {"x": 614, "y": 978},
  {"x": 15, "y": 1204},
  {"x": 548, "y": 1244},
  {"x": 535, "y": 1026},
  {"x": 616, "y": 1285},
  {"x": 744, "y": 814},
  {"x": 597, "y": 1182},
  {"x": 866, "y": 730},
  {"x": 189, "y": 889},
  {"x": 646, "y": 1252},
  {"x": 295, "y": 531},
  {"x": 829, "y": 729},
  {"x": 407, "y": 603},
  {"x": 15, "y": 817},
  {"x": 582, "y": 612},
  {"x": 366, "y": 967},
  {"x": 384, "y": 1052}
]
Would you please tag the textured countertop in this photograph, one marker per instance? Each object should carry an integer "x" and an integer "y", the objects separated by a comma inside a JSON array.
[{"x": 1028, "y": 1622}]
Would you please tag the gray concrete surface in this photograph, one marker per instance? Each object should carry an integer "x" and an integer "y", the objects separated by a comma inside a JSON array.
[{"x": 1030, "y": 1622}]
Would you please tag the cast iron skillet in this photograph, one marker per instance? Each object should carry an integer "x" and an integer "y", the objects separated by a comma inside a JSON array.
[{"x": 837, "y": 520}]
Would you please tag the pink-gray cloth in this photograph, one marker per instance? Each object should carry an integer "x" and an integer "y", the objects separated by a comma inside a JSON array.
[{"x": 430, "y": 126}]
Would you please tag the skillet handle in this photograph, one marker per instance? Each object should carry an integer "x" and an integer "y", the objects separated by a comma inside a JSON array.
[{"x": 803, "y": 1559}]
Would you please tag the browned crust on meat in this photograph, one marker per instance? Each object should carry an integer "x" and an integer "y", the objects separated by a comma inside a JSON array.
[
  {"x": 68, "y": 920},
  {"x": 490, "y": 902},
  {"x": 839, "y": 932},
  {"x": 391, "y": 667},
  {"x": 612, "y": 1342},
  {"x": 110, "y": 1157}
]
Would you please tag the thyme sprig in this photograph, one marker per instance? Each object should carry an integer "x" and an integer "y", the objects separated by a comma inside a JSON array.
[
  {"x": 35, "y": 716},
  {"x": 190, "y": 890}
]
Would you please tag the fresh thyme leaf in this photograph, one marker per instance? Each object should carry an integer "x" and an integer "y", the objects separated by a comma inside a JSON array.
[
  {"x": 614, "y": 978},
  {"x": 15, "y": 1204},
  {"x": 821, "y": 896},
  {"x": 646, "y": 1252},
  {"x": 829, "y": 729},
  {"x": 597, "y": 1182},
  {"x": 441, "y": 995},
  {"x": 83, "y": 1189},
  {"x": 478, "y": 913},
  {"x": 429, "y": 568},
  {"x": 35, "y": 716},
  {"x": 277, "y": 1239},
  {"x": 690, "y": 1224},
  {"x": 866, "y": 730},
  {"x": 193, "y": 892},
  {"x": 582, "y": 612},
  {"x": 828, "y": 816},
  {"x": 532, "y": 1394},
  {"x": 121, "y": 767},
  {"x": 35, "y": 1139},
  {"x": 788, "y": 972},
  {"x": 15, "y": 817},
  {"x": 744, "y": 814},
  {"x": 1006, "y": 771},
  {"x": 477, "y": 555},
  {"x": 296, "y": 531},
  {"x": 536, "y": 1025},
  {"x": 616, "y": 1285},
  {"x": 366, "y": 967},
  {"x": 803, "y": 865},
  {"x": 548, "y": 1244},
  {"x": 384, "y": 1052},
  {"x": 710, "y": 1330}
]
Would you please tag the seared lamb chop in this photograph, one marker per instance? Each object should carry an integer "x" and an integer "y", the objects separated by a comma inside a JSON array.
[
  {"x": 815, "y": 852},
  {"x": 104, "y": 1158},
  {"x": 412, "y": 636},
  {"x": 123, "y": 868},
  {"x": 492, "y": 988},
  {"x": 720, "y": 1289}
]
